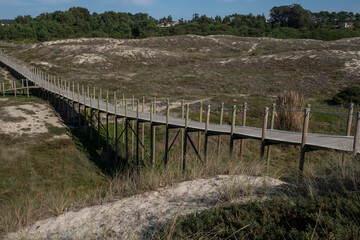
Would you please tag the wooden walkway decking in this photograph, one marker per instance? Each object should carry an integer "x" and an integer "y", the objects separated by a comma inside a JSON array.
[{"x": 313, "y": 141}]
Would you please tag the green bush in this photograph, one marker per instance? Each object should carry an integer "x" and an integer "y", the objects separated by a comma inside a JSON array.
[
  {"x": 333, "y": 217},
  {"x": 346, "y": 96}
]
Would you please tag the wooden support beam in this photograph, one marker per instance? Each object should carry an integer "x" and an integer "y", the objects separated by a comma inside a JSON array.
[
  {"x": 182, "y": 130},
  {"x": 273, "y": 108},
  {"x": 126, "y": 135},
  {"x": 27, "y": 88},
  {"x": 3, "y": 86},
  {"x": 185, "y": 137},
  {"x": 79, "y": 105},
  {"x": 349, "y": 120},
  {"x": 357, "y": 135},
  {"x": 91, "y": 117},
  {"x": 233, "y": 121},
  {"x": 263, "y": 135},
  {"x": 99, "y": 117},
  {"x": 242, "y": 141},
  {"x": 152, "y": 135},
  {"x": 206, "y": 132},
  {"x": 132, "y": 125},
  {"x": 137, "y": 135},
  {"x": 143, "y": 131},
  {"x": 73, "y": 101},
  {"x": 221, "y": 123},
  {"x": 200, "y": 120},
  {"x": 304, "y": 136},
  {"x": 107, "y": 123},
  {"x": 116, "y": 130},
  {"x": 14, "y": 83},
  {"x": 167, "y": 132}
]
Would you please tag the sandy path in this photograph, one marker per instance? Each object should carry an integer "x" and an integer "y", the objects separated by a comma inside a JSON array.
[{"x": 137, "y": 217}]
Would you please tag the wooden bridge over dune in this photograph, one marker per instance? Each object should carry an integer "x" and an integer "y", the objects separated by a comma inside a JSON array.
[{"x": 92, "y": 102}]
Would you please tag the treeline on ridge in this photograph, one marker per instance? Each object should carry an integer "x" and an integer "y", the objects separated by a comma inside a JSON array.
[{"x": 291, "y": 21}]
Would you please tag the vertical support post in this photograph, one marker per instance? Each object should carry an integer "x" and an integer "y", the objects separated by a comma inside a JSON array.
[
  {"x": 107, "y": 122},
  {"x": 232, "y": 138},
  {"x": 123, "y": 122},
  {"x": 143, "y": 132},
  {"x": 133, "y": 127},
  {"x": 167, "y": 132},
  {"x": 182, "y": 130},
  {"x": 85, "y": 112},
  {"x": 78, "y": 89},
  {"x": 242, "y": 141},
  {"x": 273, "y": 108},
  {"x": 116, "y": 130},
  {"x": 91, "y": 117},
  {"x": 152, "y": 135},
  {"x": 115, "y": 116},
  {"x": 349, "y": 120},
  {"x": 206, "y": 132},
  {"x": 221, "y": 123},
  {"x": 185, "y": 138},
  {"x": 99, "y": 119},
  {"x": 27, "y": 88},
  {"x": 22, "y": 86},
  {"x": 357, "y": 135},
  {"x": 263, "y": 135},
  {"x": 199, "y": 133},
  {"x": 303, "y": 138},
  {"x": 126, "y": 134},
  {"x": 138, "y": 135},
  {"x": 14, "y": 83},
  {"x": 3, "y": 85},
  {"x": 68, "y": 102}
]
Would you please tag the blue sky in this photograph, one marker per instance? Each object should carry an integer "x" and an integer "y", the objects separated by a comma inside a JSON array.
[{"x": 177, "y": 8}]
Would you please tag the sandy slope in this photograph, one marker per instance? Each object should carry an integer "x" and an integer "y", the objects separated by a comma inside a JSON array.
[{"x": 139, "y": 216}]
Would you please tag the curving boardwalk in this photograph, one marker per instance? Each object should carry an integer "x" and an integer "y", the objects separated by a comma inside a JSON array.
[{"x": 308, "y": 142}]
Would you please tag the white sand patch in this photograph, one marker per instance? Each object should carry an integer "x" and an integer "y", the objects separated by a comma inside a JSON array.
[
  {"x": 32, "y": 119},
  {"x": 88, "y": 58},
  {"x": 3, "y": 99},
  {"x": 353, "y": 66},
  {"x": 137, "y": 216}
]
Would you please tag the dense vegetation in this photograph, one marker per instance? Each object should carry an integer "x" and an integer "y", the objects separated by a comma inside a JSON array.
[
  {"x": 285, "y": 22},
  {"x": 346, "y": 96}
]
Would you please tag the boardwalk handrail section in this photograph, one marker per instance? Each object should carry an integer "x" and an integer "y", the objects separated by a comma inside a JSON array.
[{"x": 307, "y": 141}]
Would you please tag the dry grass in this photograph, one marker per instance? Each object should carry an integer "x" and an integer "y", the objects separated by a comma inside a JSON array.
[{"x": 287, "y": 118}]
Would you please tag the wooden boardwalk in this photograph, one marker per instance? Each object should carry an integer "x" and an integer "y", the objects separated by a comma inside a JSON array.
[{"x": 307, "y": 141}]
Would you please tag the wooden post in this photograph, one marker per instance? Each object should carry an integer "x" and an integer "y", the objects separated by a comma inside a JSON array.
[
  {"x": 123, "y": 122},
  {"x": 232, "y": 129},
  {"x": 88, "y": 91},
  {"x": 349, "y": 120},
  {"x": 154, "y": 132},
  {"x": 167, "y": 132},
  {"x": 199, "y": 133},
  {"x": 115, "y": 117},
  {"x": 116, "y": 130},
  {"x": 137, "y": 133},
  {"x": 22, "y": 86},
  {"x": 27, "y": 88},
  {"x": 242, "y": 141},
  {"x": 206, "y": 132},
  {"x": 182, "y": 130},
  {"x": 14, "y": 84},
  {"x": 68, "y": 103},
  {"x": 152, "y": 135},
  {"x": 126, "y": 133},
  {"x": 303, "y": 138},
  {"x": 99, "y": 119},
  {"x": 271, "y": 127},
  {"x": 73, "y": 101},
  {"x": 78, "y": 88},
  {"x": 143, "y": 132},
  {"x": 107, "y": 122},
  {"x": 133, "y": 127},
  {"x": 3, "y": 85},
  {"x": 357, "y": 135},
  {"x": 185, "y": 137},
  {"x": 91, "y": 117},
  {"x": 221, "y": 123},
  {"x": 263, "y": 135}
]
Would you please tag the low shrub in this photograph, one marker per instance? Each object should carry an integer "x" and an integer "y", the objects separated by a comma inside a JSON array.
[{"x": 346, "y": 96}]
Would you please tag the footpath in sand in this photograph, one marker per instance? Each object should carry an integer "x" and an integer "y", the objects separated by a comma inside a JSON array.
[{"x": 139, "y": 216}]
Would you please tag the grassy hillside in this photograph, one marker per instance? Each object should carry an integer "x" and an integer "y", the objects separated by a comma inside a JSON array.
[{"x": 222, "y": 68}]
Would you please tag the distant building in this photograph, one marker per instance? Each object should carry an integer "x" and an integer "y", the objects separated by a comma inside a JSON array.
[
  {"x": 347, "y": 25},
  {"x": 168, "y": 24}
]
